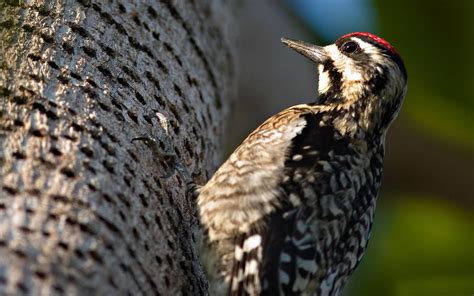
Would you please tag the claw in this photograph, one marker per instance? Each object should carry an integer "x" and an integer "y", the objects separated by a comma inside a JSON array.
[
  {"x": 167, "y": 156},
  {"x": 145, "y": 139},
  {"x": 166, "y": 153},
  {"x": 155, "y": 147}
]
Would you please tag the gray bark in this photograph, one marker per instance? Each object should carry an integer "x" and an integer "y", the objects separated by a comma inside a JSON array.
[{"x": 82, "y": 209}]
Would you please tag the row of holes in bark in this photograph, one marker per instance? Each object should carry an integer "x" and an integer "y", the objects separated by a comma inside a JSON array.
[
  {"x": 114, "y": 229},
  {"x": 148, "y": 118},
  {"x": 191, "y": 81},
  {"x": 91, "y": 52},
  {"x": 69, "y": 172},
  {"x": 174, "y": 13},
  {"x": 97, "y": 134},
  {"x": 87, "y": 229},
  {"x": 111, "y": 226},
  {"x": 62, "y": 245}
]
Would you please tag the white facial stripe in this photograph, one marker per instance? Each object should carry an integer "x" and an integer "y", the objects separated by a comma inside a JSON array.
[
  {"x": 324, "y": 83},
  {"x": 334, "y": 53},
  {"x": 370, "y": 49}
]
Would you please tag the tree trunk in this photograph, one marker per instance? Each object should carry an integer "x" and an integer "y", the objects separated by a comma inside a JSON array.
[{"x": 82, "y": 209}]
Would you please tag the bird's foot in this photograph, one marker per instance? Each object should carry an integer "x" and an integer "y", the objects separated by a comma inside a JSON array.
[
  {"x": 160, "y": 153},
  {"x": 162, "y": 148}
]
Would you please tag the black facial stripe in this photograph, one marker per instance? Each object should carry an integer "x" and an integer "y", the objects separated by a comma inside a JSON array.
[
  {"x": 335, "y": 77},
  {"x": 391, "y": 110},
  {"x": 378, "y": 81}
]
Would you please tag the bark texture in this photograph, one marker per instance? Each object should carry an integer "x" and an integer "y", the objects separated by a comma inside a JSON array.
[{"x": 83, "y": 210}]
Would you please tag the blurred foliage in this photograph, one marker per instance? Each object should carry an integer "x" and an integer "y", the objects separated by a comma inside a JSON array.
[
  {"x": 418, "y": 247},
  {"x": 436, "y": 39}
]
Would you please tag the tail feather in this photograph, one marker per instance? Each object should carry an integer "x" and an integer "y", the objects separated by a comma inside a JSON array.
[{"x": 245, "y": 277}]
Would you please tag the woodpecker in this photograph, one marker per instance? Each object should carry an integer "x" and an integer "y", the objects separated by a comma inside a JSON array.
[{"x": 290, "y": 211}]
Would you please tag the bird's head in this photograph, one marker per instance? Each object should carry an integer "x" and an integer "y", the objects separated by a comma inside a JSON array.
[{"x": 360, "y": 74}]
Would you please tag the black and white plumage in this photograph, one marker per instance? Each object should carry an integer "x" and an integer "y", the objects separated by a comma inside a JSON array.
[{"x": 290, "y": 211}]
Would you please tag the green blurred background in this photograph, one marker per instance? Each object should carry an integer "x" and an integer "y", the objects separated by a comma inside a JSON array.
[{"x": 423, "y": 237}]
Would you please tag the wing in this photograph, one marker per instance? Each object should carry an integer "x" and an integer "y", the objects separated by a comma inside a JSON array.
[
  {"x": 246, "y": 187},
  {"x": 236, "y": 202}
]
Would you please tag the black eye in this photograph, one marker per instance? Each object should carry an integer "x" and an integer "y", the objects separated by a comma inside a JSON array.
[{"x": 350, "y": 47}]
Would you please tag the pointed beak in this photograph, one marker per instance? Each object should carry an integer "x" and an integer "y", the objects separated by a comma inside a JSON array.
[{"x": 315, "y": 53}]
